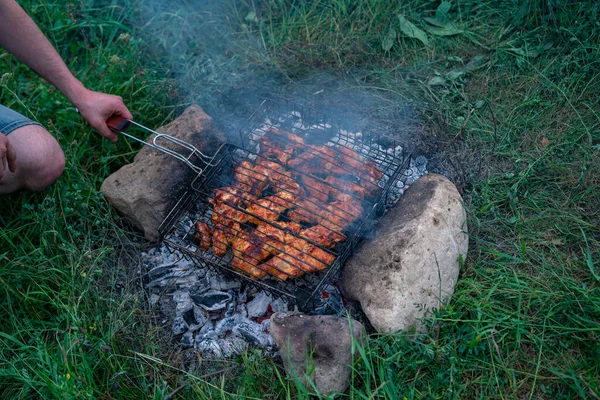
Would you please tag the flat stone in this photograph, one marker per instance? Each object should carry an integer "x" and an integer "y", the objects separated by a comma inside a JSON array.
[
  {"x": 411, "y": 265},
  {"x": 146, "y": 190},
  {"x": 317, "y": 348}
]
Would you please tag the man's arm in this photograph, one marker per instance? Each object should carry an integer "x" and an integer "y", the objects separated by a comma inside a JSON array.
[{"x": 22, "y": 38}]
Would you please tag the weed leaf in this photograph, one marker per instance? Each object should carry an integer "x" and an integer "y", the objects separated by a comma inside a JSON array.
[
  {"x": 388, "y": 41},
  {"x": 442, "y": 10},
  {"x": 412, "y": 31},
  {"x": 447, "y": 30}
]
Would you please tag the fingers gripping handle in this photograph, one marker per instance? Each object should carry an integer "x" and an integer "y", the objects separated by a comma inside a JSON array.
[
  {"x": 118, "y": 123},
  {"x": 186, "y": 152}
]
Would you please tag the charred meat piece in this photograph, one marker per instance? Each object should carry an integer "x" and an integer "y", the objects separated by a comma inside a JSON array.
[
  {"x": 318, "y": 189},
  {"x": 350, "y": 159},
  {"x": 224, "y": 214},
  {"x": 307, "y": 211},
  {"x": 203, "y": 235},
  {"x": 338, "y": 215},
  {"x": 273, "y": 151},
  {"x": 249, "y": 251},
  {"x": 282, "y": 267},
  {"x": 340, "y": 186},
  {"x": 222, "y": 237},
  {"x": 290, "y": 226},
  {"x": 233, "y": 195},
  {"x": 317, "y": 160},
  {"x": 266, "y": 208},
  {"x": 322, "y": 236},
  {"x": 248, "y": 179}
]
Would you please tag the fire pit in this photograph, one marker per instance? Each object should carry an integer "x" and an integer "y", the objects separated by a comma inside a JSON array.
[{"x": 318, "y": 134}]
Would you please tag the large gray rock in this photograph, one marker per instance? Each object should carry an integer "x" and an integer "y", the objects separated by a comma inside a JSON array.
[
  {"x": 321, "y": 344},
  {"x": 145, "y": 190},
  {"x": 412, "y": 264}
]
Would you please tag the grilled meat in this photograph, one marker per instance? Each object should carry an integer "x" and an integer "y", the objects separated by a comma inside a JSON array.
[
  {"x": 203, "y": 235},
  {"x": 340, "y": 186},
  {"x": 266, "y": 208},
  {"x": 307, "y": 211},
  {"x": 222, "y": 237},
  {"x": 248, "y": 179},
  {"x": 316, "y": 187},
  {"x": 249, "y": 251},
  {"x": 322, "y": 236}
]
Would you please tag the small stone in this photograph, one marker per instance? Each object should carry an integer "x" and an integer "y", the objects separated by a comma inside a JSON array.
[
  {"x": 317, "y": 348},
  {"x": 259, "y": 305}
]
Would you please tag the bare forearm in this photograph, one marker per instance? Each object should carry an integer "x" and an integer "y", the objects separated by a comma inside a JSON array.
[{"x": 20, "y": 36}]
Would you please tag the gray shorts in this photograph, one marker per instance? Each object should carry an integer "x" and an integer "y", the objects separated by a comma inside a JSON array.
[{"x": 11, "y": 120}]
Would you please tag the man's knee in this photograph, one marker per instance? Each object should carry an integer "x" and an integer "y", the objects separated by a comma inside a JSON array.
[
  {"x": 46, "y": 168},
  {"x": 40, "y": 159}
]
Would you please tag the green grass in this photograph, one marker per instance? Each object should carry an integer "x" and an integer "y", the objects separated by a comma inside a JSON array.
[{"x": 520, "y": 134}]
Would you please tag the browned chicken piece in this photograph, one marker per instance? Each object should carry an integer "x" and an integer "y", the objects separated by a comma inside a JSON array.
[
  {"x": 273, "y": 237},
  {"x": 290, "y": 226},
  {"x": 248, "y": 252},
  {"x": 283, "y": 267},
  {"x": 350, "y": 159},
  {"x": 222, "y": 236},
  {"x": 283, "y": 199},
  {"x": 248, "y": 179},
  {"x": 288, "y": 185},
  {"x": 233, "y": 195},
  {"x": 287, "y": 136},
  {"x": 340, "y": 186},
  {"x": 265, "y": 208},
  {"x": 338, "y": 215},
  {"x": 369, "y": 178},
  {"x": 271, "y": 150},
  {"x": 322, "y": 236},
  {"x": 318, "y": 189},
  {"x": 307, "y": 256},
  {"x": 319, "y": 159},
  {"x": 224, "y": 214},
  {"x": 307, "y": 211},
  {"x": 203, "y": 235}
]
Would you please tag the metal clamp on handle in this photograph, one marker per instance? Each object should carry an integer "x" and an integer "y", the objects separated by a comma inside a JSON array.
[{"x": 120, "y": 125}]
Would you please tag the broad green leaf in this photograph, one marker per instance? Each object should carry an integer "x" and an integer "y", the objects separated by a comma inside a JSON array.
[
  {"x": 455, "y": 74},
  {"x": 442, "y": 10},
  {"x": 388, "y": 41},
  {"x": 412, "y": 31},
  {"x": 437, "y": 81},
  {"x": 448, "y": 30},
  {"x": 435, "y": 22}
]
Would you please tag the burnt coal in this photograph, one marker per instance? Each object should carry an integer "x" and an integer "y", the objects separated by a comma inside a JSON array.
[{"x": 212, "y": 300}]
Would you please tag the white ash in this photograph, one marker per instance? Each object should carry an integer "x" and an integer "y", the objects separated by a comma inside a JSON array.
[{"x": 219, "y": 317}]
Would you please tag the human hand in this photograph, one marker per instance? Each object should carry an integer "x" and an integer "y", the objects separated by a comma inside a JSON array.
[
  {"x": 98, "y": 107},
  {"x": 7, "y": 155}
]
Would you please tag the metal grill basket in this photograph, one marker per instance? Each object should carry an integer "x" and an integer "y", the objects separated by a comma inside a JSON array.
[{"x": 177, "y": 230}]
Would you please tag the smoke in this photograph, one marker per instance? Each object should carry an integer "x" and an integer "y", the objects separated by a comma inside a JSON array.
[{"x": 220, "y": 63}]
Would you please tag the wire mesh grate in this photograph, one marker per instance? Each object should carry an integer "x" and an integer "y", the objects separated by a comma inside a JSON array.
[{"x": 204, "y": 201}]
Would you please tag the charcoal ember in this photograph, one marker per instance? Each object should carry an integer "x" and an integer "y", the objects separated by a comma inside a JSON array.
[
  {"x": 329, "y": 302},
  {"x": 178, "y": 275},
  {"x": 258, "y": 306},
  {"x": 187, "y": 340},
  {"x": 253, "y": 333},
  {"x": 220, "y": 348},
  {"x": 212, "y": 300},
  {"x": 183, "y": 302},
  {"x": 179, "y": 325}
]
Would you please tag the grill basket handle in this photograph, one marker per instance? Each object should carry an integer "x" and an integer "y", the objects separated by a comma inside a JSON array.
[{"x": 120, "y": 124}]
